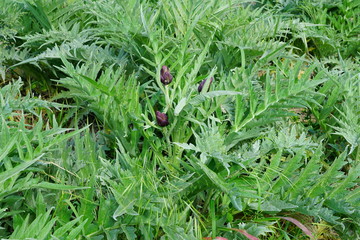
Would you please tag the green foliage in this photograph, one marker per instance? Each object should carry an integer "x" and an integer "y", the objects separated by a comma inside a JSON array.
[{"x": 275, "y": 136}]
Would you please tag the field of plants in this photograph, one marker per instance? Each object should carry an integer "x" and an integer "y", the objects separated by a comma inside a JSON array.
[{"x": 181, "y": 119}]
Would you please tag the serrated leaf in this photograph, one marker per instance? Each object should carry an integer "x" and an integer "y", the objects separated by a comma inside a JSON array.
[
  {"x": 179, "y": 107},
  {"x": 55, "y": 186},
  {"x": 203, "y": 96},
  {"x": 187, "y": 146},
  {"x": 60, "y": 232},
  {"x": 16, "y": 170},
  {"x": 76, "y": 231}
]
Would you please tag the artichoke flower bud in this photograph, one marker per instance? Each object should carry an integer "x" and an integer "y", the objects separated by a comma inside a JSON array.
[
  {"x": 162, "y": 119},
  {"x": 165, "y": 75},
  {"x": 201, "y": 85}
]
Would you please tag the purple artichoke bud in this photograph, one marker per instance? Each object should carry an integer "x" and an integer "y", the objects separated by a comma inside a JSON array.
[
  {"x": 165, "y": 75},
  {"x": 162, "y": 119},
  {"x": 201, "y": 85}
]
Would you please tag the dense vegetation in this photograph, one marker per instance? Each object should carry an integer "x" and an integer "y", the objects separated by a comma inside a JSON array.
[{"x": 267, "y": 147}]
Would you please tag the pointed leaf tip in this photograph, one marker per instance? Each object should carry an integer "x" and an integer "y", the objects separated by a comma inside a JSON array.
[
  {"x": 246, "y": 234},
  {"x": 299, "y": 225}
]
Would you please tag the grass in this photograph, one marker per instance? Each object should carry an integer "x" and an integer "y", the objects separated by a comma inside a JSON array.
[{"x": 109, "y": 130}]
